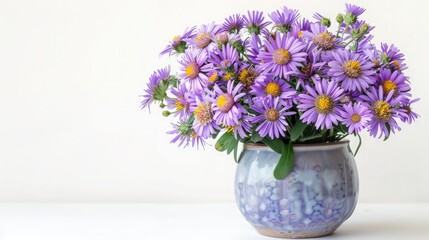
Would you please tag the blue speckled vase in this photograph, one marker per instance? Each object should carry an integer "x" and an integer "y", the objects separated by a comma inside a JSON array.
[{"x": 312, "y": 201}]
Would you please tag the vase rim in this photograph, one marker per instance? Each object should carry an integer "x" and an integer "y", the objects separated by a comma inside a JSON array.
[{"x": 298, "y": 145}]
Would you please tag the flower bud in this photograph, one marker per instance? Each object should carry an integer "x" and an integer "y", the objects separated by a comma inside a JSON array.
[
  {"x": 326, "y": 22},
  {"x": 340, "y": 18},
  {"x": 363, "y": 29},
  {"x": 162, "y": 105},
  {"x": 222, "y": 38},
  {"x": 166, "y": 113},
  {"x": 350, "y": 19}
]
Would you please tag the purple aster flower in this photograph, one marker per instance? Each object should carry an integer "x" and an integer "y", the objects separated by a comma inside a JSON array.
[
  {"x": 299, "y": 27},
  {"x": 204, "y": 124},
  {"x": 392, "y": 56},
  {"x": 224, "y": 58},
  {"x": 272, "y": 118},
  {"x": 321, "y": 106},
  {"x": 154, "y": 91},
  {"x": 284, "y": 19},
  {"x": 184, "y": 134},
  {"x": 352, "y": 70},
  {"x": 253, "y": 48},
  {"x": 205, "y": 35},
  {"x": 227, "y": 110},
  {"x": 178, "y": 43},
  {"x": 274, "y": 87},
  {"x": 283, "y": 56},
  {"x": 242, "y": 128},
  {"x": 354, "y": 10},
  {"x": 312, "y": 68},
  {"x": 248, "y": 76},
  {"x": 180, "y": 102},
  {"x": 321, "y": 38},
  {"x": 194, "y": 68},
  {"x": 356, "y": 117},
  {"x": 233, "y": 23},
  {"x": 409, "y": 115},
  {"x": 393, "y": 81},
  {"x": 384, "y": 111},
  {"x": 254, "y": 21}
]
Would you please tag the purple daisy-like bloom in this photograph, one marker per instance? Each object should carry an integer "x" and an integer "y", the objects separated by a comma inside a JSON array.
[
  {"x": 272, "y": 118},
  {"x": 283, "y": 56},
  {"x": 205, "y": 35},
  {"x": 354, "y": 10},
  {"x": 254, "y": 21},
  {"x": 227, "y": 110},
  {"x": 233, "y": 23},
  {"x": 384, "y": 111},
  {"x": 312, "y": 68},
  {"x": 184, "y": 134},
  {"x": 153, "y": 91},
  {"x": 242, "y": 128},
  {"x": 224, "y": 58},
  {"x": 253, "y": 48},
  {"x": 321, "y": 106},
  {"x": 299, "y": 27},
  {"x": 409, "y": 116},
  {"x": 274, "y": 87},
  {"x": 392, "y": 56},
  {"x": 201, "y": 106},
  {"x": 356, "y": 117},
  {"x": 284, "y": 19},
  {"x": 180, "y": 102},
  {"x": 393, "y": 81},
  {"x": 178, "y": 43},
  {"x": 194, "y": 69},
  {"x": 321, "y": 38},
  {"x": 352, "y": 70}
]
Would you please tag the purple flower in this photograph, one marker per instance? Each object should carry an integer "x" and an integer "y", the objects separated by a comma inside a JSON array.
[
  {"x": 284, "y": 19},
  {"x": 311, "y": 69},
  {"x": 283, "y": 56},
  {"x": 242, "y": 128},
  {"x": 153, "y": 91},
  {"x": 233, "y": 23},
  {"x": 352, "y": 70},
  {"x": 184, "y": 134},
  {"x": 384, "y": 111},
  {"x": 299, "y": 27},
  {"x": 224, "y": 58},
  {"x": 180, "y": 102},
  {"x": 205, "y": 35},
  {"x": 178, "y": 43},
  {"x": 356, "y": 117},
  {"x": 392, "y": 56},
  {"x": 321, "y": 38},
  {"x": 272, "y": 118},
  {"x": 194, "y": 68},
  {"x": 227, "y": 110},
  {"x": 204, "y": 124},
  {"x": 354, "y": 10},
  {"x": 393, "y": 81},
  {"x": 409, "y": 115},
  {"x": 274, "y": 87},
  {"x": 321, "y": 106},
  {"x": 253, "y": 48},
  {"x": 254, "y": 21}
]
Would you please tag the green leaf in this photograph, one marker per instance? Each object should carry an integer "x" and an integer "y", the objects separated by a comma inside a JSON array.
[
  {"x": 311, "y": 137},
  {"x": 231, "y": 145},
  {"x": 388, "y": 130},
  {"x": 297, "y": 130},
  {"x": 224, "y": 141},
  {"x": 275, "y": 144},
  {"x": 358, "y": 146},
  {"x": 256, "y": 137},
  {"x": 286, "y": 162}
]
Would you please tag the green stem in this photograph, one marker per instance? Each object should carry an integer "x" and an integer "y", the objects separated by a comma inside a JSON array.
[{"x": 360, "y": 143}]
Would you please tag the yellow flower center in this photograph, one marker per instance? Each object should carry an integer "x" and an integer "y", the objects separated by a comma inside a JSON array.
[
  {"x": 228, "y": 76},
  {"x": 247, "y": 77},
  {"x": 352, "y": 69},
  {"x": 273, "y": 89},
  {"x": 192, "y": 70},
  {"x": 225, "y": 102},
  {"x": 230, "y": 128},
  {"x": 382, "y": 110},
  {"x": 396, "y": 64},
  {"x": 355, "y": 118},
  {"x": 281, "y": 56},
  {"x": 324, "y": 104},
  {"x": 203, "y": 113},
  {"x": 324, "y": 40},
  {"x": 300, "y": 34},
  {"x": 213, "y": 77},
  {"x": 176, "y": 39},
  {"x": 179, "y": 105},
  {"x": 388, "y": 86},
  {"x": 272, "y": 115}
]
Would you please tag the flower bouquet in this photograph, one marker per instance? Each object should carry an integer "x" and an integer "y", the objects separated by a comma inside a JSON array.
[{"x": 281, "y": 81}]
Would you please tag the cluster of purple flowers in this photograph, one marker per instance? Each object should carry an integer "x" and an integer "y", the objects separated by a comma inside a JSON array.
[{"x": 255, "y": 75}]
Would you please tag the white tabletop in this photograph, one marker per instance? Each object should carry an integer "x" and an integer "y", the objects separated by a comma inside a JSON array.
[{"x": 189, "y": 221}]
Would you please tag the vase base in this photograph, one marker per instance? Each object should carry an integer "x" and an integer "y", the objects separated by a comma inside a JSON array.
[{"x": 293, "y": 234}]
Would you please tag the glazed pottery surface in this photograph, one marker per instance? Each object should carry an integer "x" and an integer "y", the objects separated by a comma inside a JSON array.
[{"x": 312, "y": 201}]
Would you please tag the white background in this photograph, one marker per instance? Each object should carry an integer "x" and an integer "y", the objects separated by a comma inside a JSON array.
[{"x": 70, "y": 125}]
